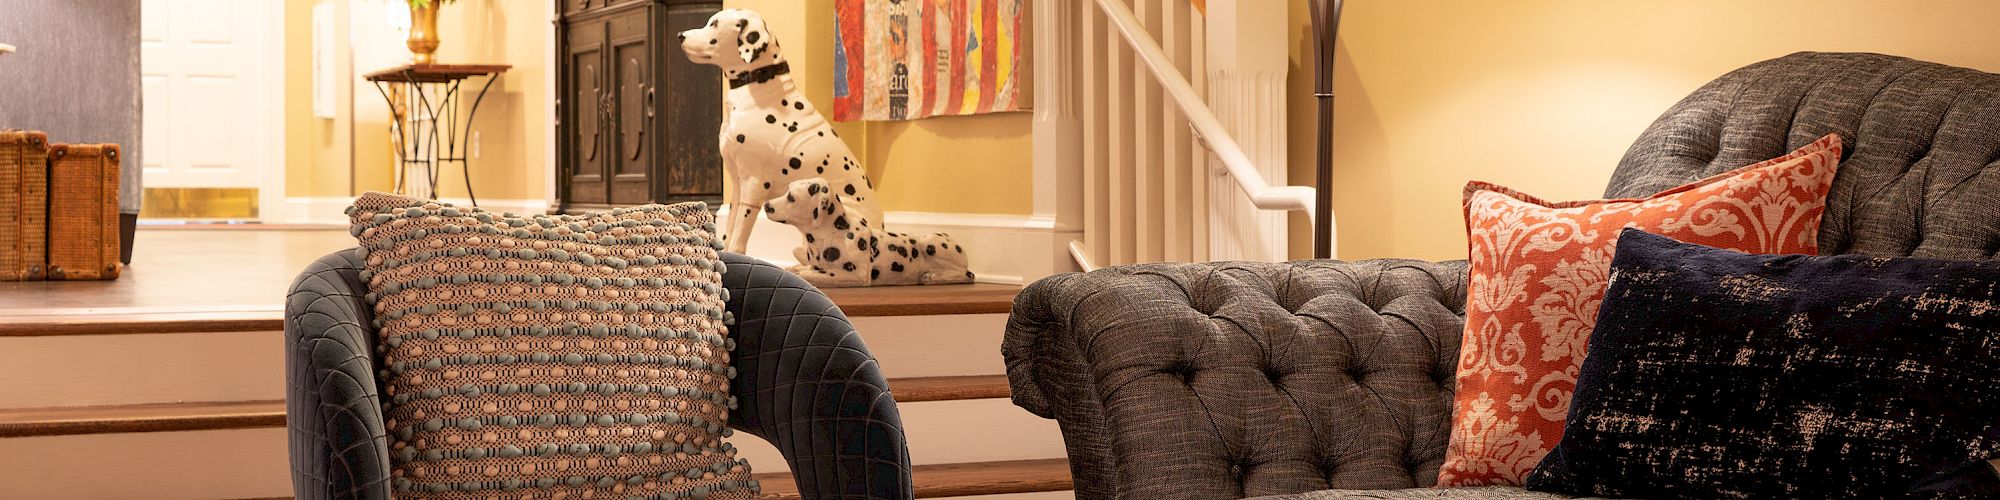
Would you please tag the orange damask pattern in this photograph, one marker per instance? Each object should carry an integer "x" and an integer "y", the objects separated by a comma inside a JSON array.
[{"x": 1538, "y": 272}]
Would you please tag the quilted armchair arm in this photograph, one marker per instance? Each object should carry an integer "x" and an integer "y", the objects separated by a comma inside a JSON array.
[
  {"x": 1235, "y": 379},
  {"x": 339, "y": 445},
  {"x": 806, "y": 383}
]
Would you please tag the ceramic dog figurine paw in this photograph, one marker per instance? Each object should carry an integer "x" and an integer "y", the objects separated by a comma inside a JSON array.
[{"x": 844, "y": 250}]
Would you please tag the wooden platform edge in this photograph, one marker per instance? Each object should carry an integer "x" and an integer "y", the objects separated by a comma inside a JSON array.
[
  {"x": 854, "y": 302},
  {"x": 955, "y": 480},
  {"x": 160, "y": 417},
  {"x": 170, "y": 417}
]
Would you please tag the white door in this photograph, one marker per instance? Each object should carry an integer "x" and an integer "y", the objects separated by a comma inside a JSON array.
[{"x": 212, "y": 72}]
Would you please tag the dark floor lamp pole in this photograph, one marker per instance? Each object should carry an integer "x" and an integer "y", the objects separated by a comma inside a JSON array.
[{"x": 1325, "y": 24}]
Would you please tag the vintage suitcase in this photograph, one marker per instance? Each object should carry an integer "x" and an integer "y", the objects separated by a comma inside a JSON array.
[
  {"x": 23, "y": 204},
  {"x": 83, "y": 212}
]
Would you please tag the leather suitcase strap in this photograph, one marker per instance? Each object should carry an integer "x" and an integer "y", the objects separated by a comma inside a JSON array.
[
  {"x": 23, "y": 205},
  {"x": 83, "y": 212}
]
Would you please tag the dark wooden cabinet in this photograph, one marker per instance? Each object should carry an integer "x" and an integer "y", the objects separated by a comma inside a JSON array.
[{"x": 636, "y": 120}]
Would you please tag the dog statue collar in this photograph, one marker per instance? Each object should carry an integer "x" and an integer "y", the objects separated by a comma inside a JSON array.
[{"x": 760, "y": 75}]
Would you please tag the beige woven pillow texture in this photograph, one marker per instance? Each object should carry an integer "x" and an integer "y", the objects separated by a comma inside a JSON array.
[{"x": 551, "y": 356}]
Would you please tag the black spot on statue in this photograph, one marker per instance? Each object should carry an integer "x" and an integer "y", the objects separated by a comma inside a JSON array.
[
  {"x": 958, "y": 248},
  {"x": 831, "y": 254},
  {"x": 790, "y": 199},
  {"x": 767, "y": 185},
  {"x": 753, "y": 37},
  {"x": 770, "y": 118},
  {"x": 850, "y": 189},
  {"x": 783, "y": 171},
  {"x": 859, "y": 244},
  {"x": 809, "y": 237},
  {"x": 739, "y": 138},
  {"x": 840, "y": 223},
  {"x": 811, "y": 189},
  {"x": 821, "y": 169},
  {"x": 896, "y": 266},
  {"x": 847, "y": 266},
  {"x": 801, "y": 105},
  {"x": 782, "y": 102},
  {"x": 792, "y": 128},
  {"x": 796, "y": 162},
  {"x": 930, "y": 250},
  {"x": 874, "y": 273}
]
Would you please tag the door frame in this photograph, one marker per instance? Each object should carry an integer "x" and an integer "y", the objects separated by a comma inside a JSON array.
[{"x": 271, "y": 207}]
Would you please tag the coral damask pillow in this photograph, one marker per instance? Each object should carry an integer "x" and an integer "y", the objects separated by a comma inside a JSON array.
[{"x": 1538, "y": 272}]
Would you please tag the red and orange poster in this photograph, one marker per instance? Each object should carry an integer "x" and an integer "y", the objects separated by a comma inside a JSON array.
[{"x": 910, "y": 59}]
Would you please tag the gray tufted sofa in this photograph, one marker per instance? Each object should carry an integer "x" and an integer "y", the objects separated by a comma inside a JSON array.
[
  {"x": 1326, "y": 379},
  {"x": 805, "y": 382}
]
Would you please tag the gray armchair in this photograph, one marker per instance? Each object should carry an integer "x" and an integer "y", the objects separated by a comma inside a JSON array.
[
  {"x": 805, "y": 382},
  {"x": 1232, "y": 379}
]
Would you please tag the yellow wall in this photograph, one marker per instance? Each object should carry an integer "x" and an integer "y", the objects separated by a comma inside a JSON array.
[
  {"x": 1546, "y": 95},
  {"x": 315, "y": 149},
  {"x": 962, "y": 164},
  {"x": 976, "y": 164}
]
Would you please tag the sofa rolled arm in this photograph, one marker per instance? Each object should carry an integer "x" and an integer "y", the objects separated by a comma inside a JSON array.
[
  {"x": 1236, "y": 379},
  {"x": 806, "y": 383},
  {"x": 339, "y": 445}
]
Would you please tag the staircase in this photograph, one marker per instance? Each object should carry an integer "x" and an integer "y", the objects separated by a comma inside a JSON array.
[{"x": 187, "y": 402}]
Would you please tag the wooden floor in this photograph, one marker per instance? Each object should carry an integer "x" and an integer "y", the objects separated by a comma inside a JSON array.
[
  {"x": 201, "y": 279},
  {"x": 185, "y": 270}
]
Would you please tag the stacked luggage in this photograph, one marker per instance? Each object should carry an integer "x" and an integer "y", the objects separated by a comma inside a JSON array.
[{"x": 58, "y": 209}]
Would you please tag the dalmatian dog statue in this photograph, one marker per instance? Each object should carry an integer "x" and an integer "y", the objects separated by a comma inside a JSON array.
[
  {"x": 771, "y": 137},
  {"x": 844, "y": 250}
]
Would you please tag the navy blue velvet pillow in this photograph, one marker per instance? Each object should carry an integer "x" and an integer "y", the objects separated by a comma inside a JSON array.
[{"x": 1715, "y": 374}]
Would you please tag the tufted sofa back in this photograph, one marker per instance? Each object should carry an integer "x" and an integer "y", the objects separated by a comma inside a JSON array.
[{"x": 1921, "y": 175}]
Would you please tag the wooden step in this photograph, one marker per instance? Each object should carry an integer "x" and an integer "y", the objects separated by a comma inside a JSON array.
[
  {"x": 255, "y": 414},
  {"x": 96, "y": 370},
  {"x": 961, "y": 479},
  {"x": 977, "y": 298}
]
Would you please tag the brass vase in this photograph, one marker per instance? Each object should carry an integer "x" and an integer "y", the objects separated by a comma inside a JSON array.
[{"x": 423, "y": 41}]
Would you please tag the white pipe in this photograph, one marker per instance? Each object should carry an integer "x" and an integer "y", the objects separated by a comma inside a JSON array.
[
  {"x": 1207, "y": 128},
  {"x": 6, "y": 49}
]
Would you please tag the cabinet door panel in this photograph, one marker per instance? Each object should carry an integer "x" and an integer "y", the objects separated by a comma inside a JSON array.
[
  {"x": 690, "y": 104},
  {"x": 585, "y": 114},
  {"x": 631, "y": 69}
]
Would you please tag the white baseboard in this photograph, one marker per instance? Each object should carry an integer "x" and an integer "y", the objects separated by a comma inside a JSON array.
[
  {"x": 1006, "y": 249},
  {"x": 333, "y": 209}
]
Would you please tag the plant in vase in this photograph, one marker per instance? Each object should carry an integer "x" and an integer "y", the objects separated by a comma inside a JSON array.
[{"x": 423, "y": 40}]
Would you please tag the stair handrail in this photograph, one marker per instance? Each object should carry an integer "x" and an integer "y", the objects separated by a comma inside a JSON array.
[{"x": 1201, "y": 119}]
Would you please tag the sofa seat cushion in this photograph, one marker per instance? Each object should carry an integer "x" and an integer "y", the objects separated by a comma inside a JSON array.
[{"x": 1468, "y": 493}]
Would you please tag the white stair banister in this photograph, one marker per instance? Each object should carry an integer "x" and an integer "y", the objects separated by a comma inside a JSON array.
[{"x": 1207, "y": 128}]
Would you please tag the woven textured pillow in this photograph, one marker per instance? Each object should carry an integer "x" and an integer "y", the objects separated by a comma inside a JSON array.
[
  {"x": 1785, "y": 376},
  {"x": 551, "y": 357},
  {"x": 1537, "y": 272}
]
